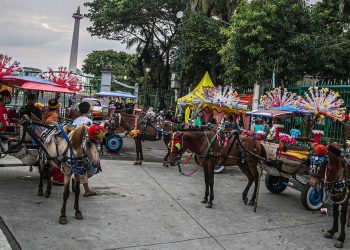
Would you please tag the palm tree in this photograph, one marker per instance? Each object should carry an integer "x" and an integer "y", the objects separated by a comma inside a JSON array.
[{"x": 222, "y": 8}]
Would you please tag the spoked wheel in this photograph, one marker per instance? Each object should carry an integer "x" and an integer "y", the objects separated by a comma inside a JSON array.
[
  {"x": 312, "y": 198},
  {"x": 276, "y": 184},
  {"x": 114, "y": 143}
]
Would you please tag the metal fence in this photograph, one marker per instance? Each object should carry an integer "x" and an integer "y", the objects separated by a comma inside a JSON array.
[{"x": 157, "y": 98}]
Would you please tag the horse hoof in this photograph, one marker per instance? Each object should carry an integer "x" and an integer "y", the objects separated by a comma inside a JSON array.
[
  {"x": 245, "y": 200},
  {"x": 251, "y": 203},
  {"x": 79, "y": 216},
  {"x": 62, "y": 220},
  {"x": 339, "y": 244},
  {"x": 40, "y": 193},
  {"x": 210, "y": 205},
  {"x": 47, "y": 194},
  {"x": 204, "y": 201},
  {"x": 328, "y": 235}
]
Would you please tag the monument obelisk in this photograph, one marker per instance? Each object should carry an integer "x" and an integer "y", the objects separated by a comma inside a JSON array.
[{"x": 75, "y": 41}]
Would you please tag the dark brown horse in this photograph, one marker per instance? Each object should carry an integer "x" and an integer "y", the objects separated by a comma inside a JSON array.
[
  {"x": 336, "y": 177},
  {"x": 144, "y": 129},
  {"x": 210, "y": 153}
]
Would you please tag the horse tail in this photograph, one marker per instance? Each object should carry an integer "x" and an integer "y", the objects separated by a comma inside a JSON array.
[{"x": 77, "y": 137}]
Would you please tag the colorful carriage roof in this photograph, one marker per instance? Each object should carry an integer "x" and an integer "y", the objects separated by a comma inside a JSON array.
[
  {"x": 34, "y": 84},
  {"x": 275, "y": 113},
  {"x": 115, "y": 94},
  {"x": 221, "y": 99}
]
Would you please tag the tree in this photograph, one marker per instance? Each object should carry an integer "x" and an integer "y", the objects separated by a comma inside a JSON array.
[
  {"x": 266, "y": 32},
  {"x": 150, "y": 25},
  {"x": 222, "y": 8},
  {"x": 120, "y": 64},
  {"x": 198, "y": 42},
  {"x": 332, "y": 40}
]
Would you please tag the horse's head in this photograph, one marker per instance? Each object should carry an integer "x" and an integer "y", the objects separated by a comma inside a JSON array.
[
  {"x": 89, "y": 140},
  {"x": 177, "y": 147}
]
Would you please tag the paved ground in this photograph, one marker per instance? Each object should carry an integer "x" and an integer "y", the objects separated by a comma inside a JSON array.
[
  {"x": 152, "y": 151},
  {"x": 152, "y": 207}
]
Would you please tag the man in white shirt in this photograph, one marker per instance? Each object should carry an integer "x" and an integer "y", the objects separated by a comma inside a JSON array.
[{"x": 84, "y": 109}]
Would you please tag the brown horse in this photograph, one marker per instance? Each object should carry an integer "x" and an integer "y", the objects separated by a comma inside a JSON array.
[
  {"x": 144, "y": 129},
  {"x": 336, "y": 177},
  {"x": 210, "y": 153},
  {"x": 87, "y": 154}
]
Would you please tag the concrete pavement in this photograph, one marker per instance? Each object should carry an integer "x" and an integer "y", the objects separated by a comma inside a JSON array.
[{"x": 152, "y": 207}]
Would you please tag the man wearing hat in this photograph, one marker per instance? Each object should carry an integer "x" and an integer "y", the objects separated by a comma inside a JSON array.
[
  {"x": 5, "y": 98},
  {"x": 50, "y": 116},
  {"x": 30, "y": 110}
]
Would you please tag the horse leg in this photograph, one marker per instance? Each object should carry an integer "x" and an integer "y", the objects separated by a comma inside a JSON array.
[
  {"x": 165, "y": 160},
  {"x": 78, "y": 214},
  {"x": 245, "y": 171},
  {"x": 141, "y": 153},
  {"x": 211, "y": 186},
  {"x": 40, "y": 190},
  {"x": 205, "y": 199},
  {"x": 255, "y": 175},
  {"x": 137, "y": 151},
  {"x": 329, "y": 234},
  {"x": 343, "y": 212},
  {"x": 48, "y": 184},
  {"x": 63, "y": 218}
]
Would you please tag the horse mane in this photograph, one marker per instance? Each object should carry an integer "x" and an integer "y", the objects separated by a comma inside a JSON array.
[
  {"x": 77, "y": 137},
  {"x": 335, "y": 149}
]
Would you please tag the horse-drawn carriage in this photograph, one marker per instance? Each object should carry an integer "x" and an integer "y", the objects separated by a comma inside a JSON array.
[
  {"x": 17, "y": 142},
  {"x": 289, "y": 158}
]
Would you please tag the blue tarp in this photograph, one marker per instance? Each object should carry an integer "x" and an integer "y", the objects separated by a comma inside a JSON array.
[
  {"x": 115, "y": 94},
  {"x": 29, "y": 79}
]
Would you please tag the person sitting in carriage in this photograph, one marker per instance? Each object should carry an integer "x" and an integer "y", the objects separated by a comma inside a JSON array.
[
  {"x": 83, "y": 119},
  {"x": 5, "y": 98},
  {"x": 30, "y": 109},
  {"x": 50, "y": 116},
  {"x": 231, "y": 123}
]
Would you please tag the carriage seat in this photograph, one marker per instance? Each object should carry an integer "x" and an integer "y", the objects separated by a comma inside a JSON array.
[{"x": 296, "y": 154}]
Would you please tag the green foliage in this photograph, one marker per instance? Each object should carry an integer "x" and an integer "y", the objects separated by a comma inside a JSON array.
[
  {"x": 332, "y": 51},
  {"x": 120, "y": 64},
  {"x": 150, "y": 25},
  {"x": 222, "y": 8},
  {"x": 264, "y": 33},
  {"x": 198, "y": 42}
]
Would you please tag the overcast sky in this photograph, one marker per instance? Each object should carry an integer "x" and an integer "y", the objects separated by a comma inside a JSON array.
[{"x": 38, "y": 33}]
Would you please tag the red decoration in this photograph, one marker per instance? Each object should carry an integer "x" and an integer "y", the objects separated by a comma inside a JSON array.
[
  {"x": 96, "y": 132},
  {"x": 8, "y": 68},
  {"x": 64, "y": 78},
  {"x": 320, "y": 149}
]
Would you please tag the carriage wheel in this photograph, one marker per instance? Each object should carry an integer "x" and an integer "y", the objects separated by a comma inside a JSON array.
[
  {"x": 312, "y": 198},
  {"x": 276, "y": 184},
  {"x": 113, "y": 143}
]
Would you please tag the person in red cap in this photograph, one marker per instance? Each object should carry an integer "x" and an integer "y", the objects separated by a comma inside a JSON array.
[{"x": 5, "y": 98}]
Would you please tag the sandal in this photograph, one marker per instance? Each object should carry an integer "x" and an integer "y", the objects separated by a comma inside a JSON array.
[{"x": 92, "y": 193}]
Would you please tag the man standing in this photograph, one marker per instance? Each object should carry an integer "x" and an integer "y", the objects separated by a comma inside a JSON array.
[{"x": 5, "y": 98}]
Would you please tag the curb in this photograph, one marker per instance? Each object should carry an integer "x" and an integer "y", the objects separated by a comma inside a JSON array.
[{"x": 9, "y": 236}]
